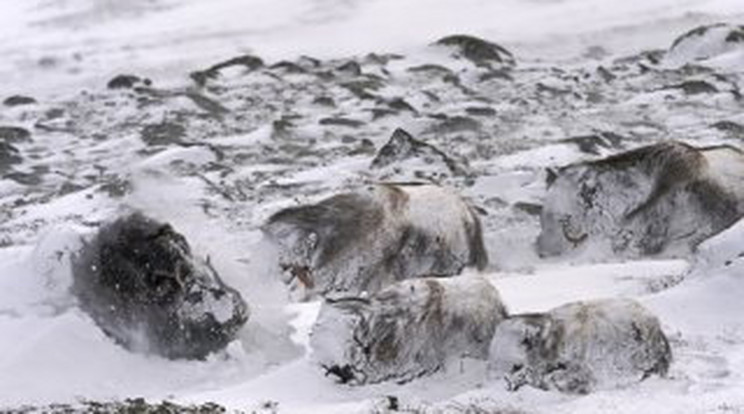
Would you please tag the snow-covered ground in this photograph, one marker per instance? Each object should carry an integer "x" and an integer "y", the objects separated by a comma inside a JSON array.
[{"x": 251, "y": 143}]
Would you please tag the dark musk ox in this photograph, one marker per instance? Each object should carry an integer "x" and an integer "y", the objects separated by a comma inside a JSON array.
[
  {"x": 660, "y": 199},
  {"x": 580, "y": 347},
  {"x": 139, "y": 281},
  {"x": 407, "y": 330},
  {"x": 366, "y": 240}
]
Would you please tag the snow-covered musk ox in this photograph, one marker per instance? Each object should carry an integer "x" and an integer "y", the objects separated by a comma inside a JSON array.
[
  {"x": 660, "y": 199},
  {"x": 139, "y": 281},
  {"x": 581, "y": 346},
  {"x": 407, "y": 330},
  {"x": 366, "y": 240}
]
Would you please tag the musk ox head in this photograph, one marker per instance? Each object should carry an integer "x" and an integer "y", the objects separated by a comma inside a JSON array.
[{"x": 139, "y": 281}]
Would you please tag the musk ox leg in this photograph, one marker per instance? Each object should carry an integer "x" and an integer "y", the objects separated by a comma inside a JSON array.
[
  {"x": 407, "y": 330},
  {"x": 140, "y": 283}
]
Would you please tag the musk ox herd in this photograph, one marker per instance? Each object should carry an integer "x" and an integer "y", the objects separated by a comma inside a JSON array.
[{"x": 388, "y": 264}]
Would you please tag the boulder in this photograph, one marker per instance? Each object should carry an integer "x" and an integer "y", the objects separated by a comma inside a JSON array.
[
  {"x": 479, "y": 51},
  {"x": 660, "y": 199},
  {"x": 141, "y": 284},
  {"x": 410, "y": 329},
  {"x": 403, "y": 147},
  {"x": 706, "y": 42},
  {"x": 19, "y": 100},
  {"x": 580, "y": 347},
  {"x": 366, "y": 240}
]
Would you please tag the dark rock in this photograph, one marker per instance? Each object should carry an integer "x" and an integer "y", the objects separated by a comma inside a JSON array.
[
  {"x": 14, "y": 135},
  {"x": 288, "y": 67},
  {"x": 606, "y": 74},
  {"x": 18, "y": 100},
  {"x": 400, "y": 104},
  {"x": 165, "y": 133},
  {"x": 350, "y": 68},
  {"x": 249, "y": 62},
  {"x": 661, "y": 199},
  {"x": 456, "y": 124},
  {"x": 694, "y": 87},
  {"x": 480, "y": 111},
  {"x": 580, "y": 347},
  {"x": 529, "y": 208},
  {"x": 479, "y": 51},
  {"x": 124, "y": 82},
  {"x": 116, "y": 187},
  {"x": 141, "y": 284},
  {"x": 410, "y": 329},
  {"x": 591, "y": 144},
  {"x": 128, "y": 406},
  {"x": 324, "y": 101},
  {"x": 207, "y": 104},
  {"x": 430, "y": 68},
  {"x": 402, "y": 146},
  {"x": 9, "y": 156},
  {"x": 24, "y": 178},
  {"x": 730, "y": 127},
  {"x": 339, "y": 121},
  {"x": 363, "y": 241}
]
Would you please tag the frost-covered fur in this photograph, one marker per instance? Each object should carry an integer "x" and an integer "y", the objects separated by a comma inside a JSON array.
[
  {"x": 663, "y": 198},
  {"x": 139, "y": 281},
  {"x": 407, "y": 330},
  {"x": 581, "y": 346},
  {"x": 364, "y": 241}
]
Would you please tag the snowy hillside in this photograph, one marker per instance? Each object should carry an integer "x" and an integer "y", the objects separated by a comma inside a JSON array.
[{"x": 231, "y": 110}]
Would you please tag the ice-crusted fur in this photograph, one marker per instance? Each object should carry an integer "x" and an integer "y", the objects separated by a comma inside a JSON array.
[
  {"x": 407, "y": 330},
  {"x": 363, "y": 241},
  {"x": 581, "y": 346},
  {"x": 139, "y": 281},
  {"x": 663, "y": 198}
]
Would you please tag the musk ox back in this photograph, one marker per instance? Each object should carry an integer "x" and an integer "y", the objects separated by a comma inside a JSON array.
[
  {"x": 363, "y": 241},
  {"x": 139, "y": 281},
  {"x": 581, "y": 346},
  {"x": 407, "y": 330},
  {"x": 660, "y": 199}
]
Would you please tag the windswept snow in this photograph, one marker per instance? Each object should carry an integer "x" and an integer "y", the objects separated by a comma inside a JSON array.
[{"x": 216, "y": 161}]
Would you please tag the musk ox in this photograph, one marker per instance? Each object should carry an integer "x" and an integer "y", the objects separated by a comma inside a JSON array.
[
  {"x": 660, "y": 199},
  {"x": 580, "y": 346},
  {"x": 366, "y": 240},
  {"x": 407, "y": 330},
  {"x": 139, "y": 281}
]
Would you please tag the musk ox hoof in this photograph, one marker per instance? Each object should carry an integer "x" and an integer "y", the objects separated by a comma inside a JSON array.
[
  {"x": 363, "y": 241},
  {"x": 579, "y": 347},
  {"x": 139, "y": 281},
  {"x": 408, "y": 330},
  {"x": 660, "y": 199}
]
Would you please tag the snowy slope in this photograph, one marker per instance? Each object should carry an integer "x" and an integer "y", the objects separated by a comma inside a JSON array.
[{"x": 253, "y": 142}]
